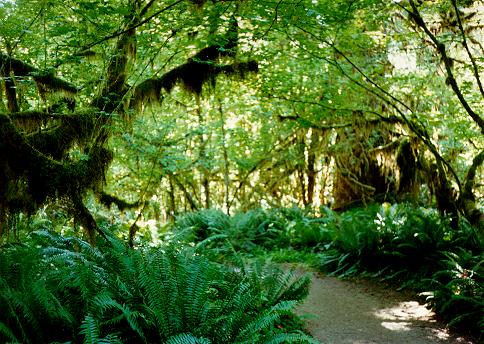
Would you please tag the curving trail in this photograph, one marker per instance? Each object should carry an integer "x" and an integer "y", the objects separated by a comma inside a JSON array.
[{"x": 362, "y": 312}]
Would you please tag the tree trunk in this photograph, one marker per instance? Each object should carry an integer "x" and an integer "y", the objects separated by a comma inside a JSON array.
[
  {"x": 171, "y": 199},
  {"x": 467, "y": 200},
  {"x": 202, "y": 157},
  {"x": 311, "y": 171},
  {"x": 226, "y": 160},
  {"x": 11, "y": 95}
]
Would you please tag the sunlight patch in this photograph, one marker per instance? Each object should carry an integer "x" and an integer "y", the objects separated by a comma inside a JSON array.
[
  {"x": 396, "y": 326},
  {"x": 441, "y": 333},
  {"x": 408, "y": 310}
]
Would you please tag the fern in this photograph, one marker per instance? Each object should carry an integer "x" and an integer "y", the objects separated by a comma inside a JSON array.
[
  {"x": 58, "y": 289},
  {"x": 187, "y": 338},
  {"x": 90, "y": 330},
  {"x": 160, "y": 288},
  {"x": 234, "y": 310},
  {"x": 7, "y": 334},
  {"x": 276, "y": 284},
  {"x": 265, "y": 320}
]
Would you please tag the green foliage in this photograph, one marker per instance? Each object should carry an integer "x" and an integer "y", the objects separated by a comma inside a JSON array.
[
  {"x": 409, "y": 245},
  {"x": 458, "y": 290},
  {"x": 204, "y": 223},
  {"x": 253, "y": 231},
  {"x": 401, "y": 238},
  {"x": 55, "y": 289},
  {"x": 417, "y": 248}
]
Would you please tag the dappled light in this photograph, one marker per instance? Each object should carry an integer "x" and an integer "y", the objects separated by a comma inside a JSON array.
[
  {"x": 396, "y": 326},
  {"x": 170, "y": 171},
  {"x": 408, "y": 310},
  {"x": 367, "y": 312}
]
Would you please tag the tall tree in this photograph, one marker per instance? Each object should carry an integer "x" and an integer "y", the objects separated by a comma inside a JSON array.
[{"x": 55, "y": 133}]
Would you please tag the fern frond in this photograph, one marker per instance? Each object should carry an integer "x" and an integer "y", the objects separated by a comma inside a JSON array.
[
  {"x": 90, "y": 330},
  {"x": 6, "y": 333},
  {"x": 234, "y": 310},
  {"x": 23, "y": 314},
  {"x": 297, "y": 290},
  {"x": 161, "y": 293},
  {"x": 262, "y": 322},
  {"x": 45, "y": 300},
  {"x": 187, "y": 338},
  {"x": 110, "y": 339},
  {"x": 204, "y": 243},
  {"x": 193, "y": 287},
  {"x": 132, "y": 319},
  {"x": 266, "y": 319},
  {"x": 105, "y": 301}
]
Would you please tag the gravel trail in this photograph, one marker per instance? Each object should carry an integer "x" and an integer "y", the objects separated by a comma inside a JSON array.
[{"x": 363, "y": 312}]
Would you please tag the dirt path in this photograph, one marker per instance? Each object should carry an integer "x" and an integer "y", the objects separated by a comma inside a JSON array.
[{"x": 361, "y": 312}]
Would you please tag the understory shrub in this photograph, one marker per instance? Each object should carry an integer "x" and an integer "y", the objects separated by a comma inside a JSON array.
[
  {"x": 416, "y": 248},
  {"x": 60, "y": 289},
  {"x": 255, "y": 230},
  {"x": 457, "y": 291},
  {"x": 411, "y": 246}
]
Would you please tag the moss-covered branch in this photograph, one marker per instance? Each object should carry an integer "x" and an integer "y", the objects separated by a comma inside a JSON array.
[
  {"x": 202, "y": 68},
  {"x": 45, "y": 80},
  {"x": 54, "y": 134},
  {"x": 28, "y": 177},
  {"x": 441, "y": 48},
  {"x": 199, "y": 70},
  {"x": 108, "y": 200}
]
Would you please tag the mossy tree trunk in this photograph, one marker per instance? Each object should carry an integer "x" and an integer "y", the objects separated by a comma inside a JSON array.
[{"x": 45, "y": 139}]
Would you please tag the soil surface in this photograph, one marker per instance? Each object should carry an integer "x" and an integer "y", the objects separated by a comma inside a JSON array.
[{"x": 363, "y": 312}]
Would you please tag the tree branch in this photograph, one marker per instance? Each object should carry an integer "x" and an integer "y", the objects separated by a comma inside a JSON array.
[
  {"x": 415, "y": 15},
  {"x": 391, "y": 119},
  {"x": 122, "y": 32},
  {"x": 466, "y": 46},
  {"x": 20, "y": 68}
]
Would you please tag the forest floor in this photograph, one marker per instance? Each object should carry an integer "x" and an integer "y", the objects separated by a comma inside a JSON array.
[{"x": 359, "y": 311}]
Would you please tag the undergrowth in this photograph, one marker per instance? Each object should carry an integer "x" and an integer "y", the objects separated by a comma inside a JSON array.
[
  {"x": 410, "y": 246},
  {"x": 211, "y": 280},
  {"x": 418, "y": 249},
  {"x": 61, "y": 289}
]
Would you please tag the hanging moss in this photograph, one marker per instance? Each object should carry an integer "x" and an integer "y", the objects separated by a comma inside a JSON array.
[
  {"x": 199, "y": 70},
  {"x": 108, "y": 200},
  {"x": 54, "y": 134},
  {"x": 148, "y": 92},
  {"x": 46, "y": 79},
  {"x": 29, "y": 177},
  {"x": 366, "y": 169},
  {"x": 49, "y": 83},
  {"x": 19, "y": 68},
  {"x": 36, "y": 160}
]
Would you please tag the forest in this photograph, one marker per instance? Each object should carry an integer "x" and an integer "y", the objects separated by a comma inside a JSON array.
[{"x": 167, "y": 167}]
